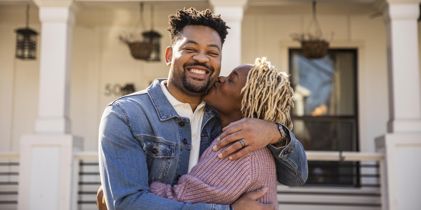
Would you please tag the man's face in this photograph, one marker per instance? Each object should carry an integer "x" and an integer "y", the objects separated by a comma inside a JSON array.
[{"x": 194, "y": 59}]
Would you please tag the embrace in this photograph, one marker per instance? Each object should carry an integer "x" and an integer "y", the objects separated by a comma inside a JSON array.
[{"x": 196, "y": 140}]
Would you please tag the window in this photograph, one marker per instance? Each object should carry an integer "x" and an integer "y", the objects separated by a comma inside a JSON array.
[{"x": 325, "y": 114}]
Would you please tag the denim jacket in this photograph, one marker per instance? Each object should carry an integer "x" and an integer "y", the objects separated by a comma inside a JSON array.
[{"x": 142, "y": 139}]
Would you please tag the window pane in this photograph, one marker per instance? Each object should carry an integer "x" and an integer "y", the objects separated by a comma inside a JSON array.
[
  {"x": 326, "y": 86},
  {"x": 326, "y": 133}
]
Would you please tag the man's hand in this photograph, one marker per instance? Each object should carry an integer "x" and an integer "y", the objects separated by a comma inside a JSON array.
[
  {"x": 249, "y": 201},
  {"x": 245, "y": 136}
]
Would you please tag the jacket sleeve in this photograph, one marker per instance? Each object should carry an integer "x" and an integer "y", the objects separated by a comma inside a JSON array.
[
  {"x": 123, "y": 168},
  {"x": 291, "y": 161},
  {"x": 212, "y": 180}
]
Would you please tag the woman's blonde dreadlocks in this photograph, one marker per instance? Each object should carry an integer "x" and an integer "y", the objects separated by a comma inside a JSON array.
[{"x": 267, "y": 94}]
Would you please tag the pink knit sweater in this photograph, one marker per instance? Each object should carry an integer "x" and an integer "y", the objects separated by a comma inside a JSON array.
[{"x": 214, "y": 180}]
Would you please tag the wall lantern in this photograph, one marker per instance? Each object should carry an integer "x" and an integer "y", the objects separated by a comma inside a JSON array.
[
  {"x": 148, "y": 46},
  {"x": 419, "y": 18},
  {"x": 154, "y": 38},
  {"x": 26, "y": 43}
]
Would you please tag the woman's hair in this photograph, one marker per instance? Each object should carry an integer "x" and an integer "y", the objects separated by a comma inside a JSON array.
[
  {"x": 267, "y": 94},
  {"x": 191, "y": 16}
]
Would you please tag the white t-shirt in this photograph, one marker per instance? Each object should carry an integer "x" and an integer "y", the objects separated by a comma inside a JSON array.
[{"x": 196, "y": 117}]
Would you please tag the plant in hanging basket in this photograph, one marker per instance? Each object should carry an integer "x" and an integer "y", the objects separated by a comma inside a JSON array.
[
  {"x": 313, "y": 46},
  {"x": 138, "y": 49}
]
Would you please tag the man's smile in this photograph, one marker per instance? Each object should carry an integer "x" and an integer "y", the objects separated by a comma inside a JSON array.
[{"x": 198, "y": 72}]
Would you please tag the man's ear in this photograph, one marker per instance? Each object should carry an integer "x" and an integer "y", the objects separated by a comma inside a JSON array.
[{"x": 168, "y": 55}]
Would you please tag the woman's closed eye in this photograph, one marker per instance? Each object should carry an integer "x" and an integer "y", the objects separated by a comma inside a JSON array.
[{"x": 232, "y": 77}]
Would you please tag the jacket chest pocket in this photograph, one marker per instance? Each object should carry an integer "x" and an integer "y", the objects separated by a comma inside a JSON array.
[
  {"x": 157, "y": 147},
  {"x": 160, "y": 156}
]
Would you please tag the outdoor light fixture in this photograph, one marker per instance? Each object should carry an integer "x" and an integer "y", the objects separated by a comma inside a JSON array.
[
  {"x": 26, "y": 43},
  {"x": 153, "y": 38},
  {"x": 148, "y": 46},
  {"x": 419, "y": 18}
]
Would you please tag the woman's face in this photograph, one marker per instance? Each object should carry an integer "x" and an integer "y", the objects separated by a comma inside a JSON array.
[{"x": 225, "y": 95}]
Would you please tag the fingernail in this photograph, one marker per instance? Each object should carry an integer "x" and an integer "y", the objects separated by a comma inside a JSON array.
[
  {"x": 230, "y": 158},
  {"x": 217, "y": 138},
  {"x": 215, "y": 148},
  {"x": 220, "y": 155}
]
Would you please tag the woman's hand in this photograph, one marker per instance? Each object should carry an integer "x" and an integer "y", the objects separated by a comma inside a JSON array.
[{"x": 244, "y": 136}]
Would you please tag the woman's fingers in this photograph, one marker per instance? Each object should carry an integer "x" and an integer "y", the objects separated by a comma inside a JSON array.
[{"x": 226, "y": 140}]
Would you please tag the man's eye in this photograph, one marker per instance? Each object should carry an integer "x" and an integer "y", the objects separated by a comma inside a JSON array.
[
  {"x": 213, "y": 54},
  {"x": 189, "y": 50}
]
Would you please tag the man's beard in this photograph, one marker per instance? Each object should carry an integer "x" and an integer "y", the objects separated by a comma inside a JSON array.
[
  {"x": 199, "y": 90},
  {"x": 195, "y": 89}
]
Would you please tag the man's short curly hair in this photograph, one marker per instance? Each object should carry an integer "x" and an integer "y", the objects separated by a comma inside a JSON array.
[{"x": 191, "y": 16}]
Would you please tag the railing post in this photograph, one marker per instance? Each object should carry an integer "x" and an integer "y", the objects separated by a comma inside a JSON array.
[{"x": 383, "y": 183}]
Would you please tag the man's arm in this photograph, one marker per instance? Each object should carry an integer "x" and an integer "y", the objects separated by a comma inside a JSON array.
[
  {"x": 291, "y": 160},
  {"x": 123, "y": 168}
]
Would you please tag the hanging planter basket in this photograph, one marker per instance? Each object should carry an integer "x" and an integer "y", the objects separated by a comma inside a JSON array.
[
  {"x": 140, "y": 50},
  {"x": 143, "y": 45},
  {"x": 313, "y": 44},
  {"x": 314, "y": 49}
]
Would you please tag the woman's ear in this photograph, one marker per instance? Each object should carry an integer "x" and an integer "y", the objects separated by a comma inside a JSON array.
[{"x": 168, "y": 55}]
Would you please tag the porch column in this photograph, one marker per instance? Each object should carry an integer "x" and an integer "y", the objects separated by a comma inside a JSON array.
[
  {"x": 232, "y": 13},
  {"x": 402, "y": 143},
  {"x": 47, "y": 165}
]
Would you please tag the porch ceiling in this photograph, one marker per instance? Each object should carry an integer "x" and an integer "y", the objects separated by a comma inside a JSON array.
[
  {"x": 250, "y": 2},
  {"x": 289, "y": 2},
  {"x": 94, "y": 12}
]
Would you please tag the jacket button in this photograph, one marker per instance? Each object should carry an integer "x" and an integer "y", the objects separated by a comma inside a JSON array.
[
  {"x": 185, "y": 141},
  {"x": 181, "y": 123},
  {"x": 154, "y": 151}
]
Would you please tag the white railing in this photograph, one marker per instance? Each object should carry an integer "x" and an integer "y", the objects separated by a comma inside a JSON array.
[
  {"x": 9, "y": 156},
  {"x": 87, "y": 155},
  {"x": 344, "y": 156},
  {"x": 9, "y": 178},
  {"x": 369, "y": 196}
]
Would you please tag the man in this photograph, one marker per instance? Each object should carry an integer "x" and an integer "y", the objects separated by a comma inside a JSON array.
[{"x": 158, "y": 134}]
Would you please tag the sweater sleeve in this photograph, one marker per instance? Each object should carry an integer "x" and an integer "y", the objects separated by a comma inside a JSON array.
[{"x": 212, "y": 180}]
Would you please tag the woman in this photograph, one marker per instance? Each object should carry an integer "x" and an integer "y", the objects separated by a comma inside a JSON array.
[{"x": 256, "y": 91}]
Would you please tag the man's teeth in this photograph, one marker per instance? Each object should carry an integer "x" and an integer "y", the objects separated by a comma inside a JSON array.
[{"x": 198, "y": 71}]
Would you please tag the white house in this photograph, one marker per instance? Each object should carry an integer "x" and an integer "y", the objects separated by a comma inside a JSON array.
[{"x": 370, "y": 108}]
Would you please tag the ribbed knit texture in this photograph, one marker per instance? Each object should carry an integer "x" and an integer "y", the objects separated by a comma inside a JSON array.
[{"x": 214, "y": 180}]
